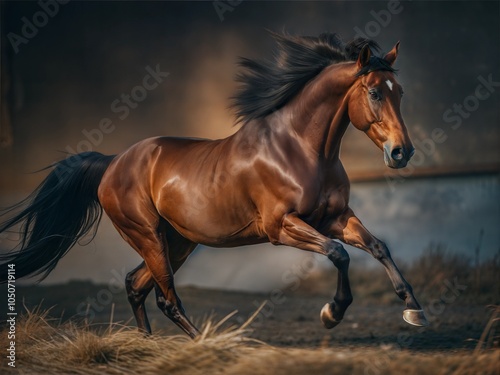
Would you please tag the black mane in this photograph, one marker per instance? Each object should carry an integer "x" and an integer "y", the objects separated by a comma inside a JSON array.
[{"x": 266, "y": 86}]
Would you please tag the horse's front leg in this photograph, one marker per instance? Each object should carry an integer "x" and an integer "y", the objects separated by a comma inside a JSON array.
[
  {"x": 295, "y": 232},
  {"x": 349, "y": 229}
]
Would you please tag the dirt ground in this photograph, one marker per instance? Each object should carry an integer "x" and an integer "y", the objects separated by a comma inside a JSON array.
[
  {"x": 287, "y": 320},
  {"x": 293, "y": 320}
]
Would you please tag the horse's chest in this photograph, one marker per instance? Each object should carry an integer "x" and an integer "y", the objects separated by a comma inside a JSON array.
[{"x": 327, "y": 205}]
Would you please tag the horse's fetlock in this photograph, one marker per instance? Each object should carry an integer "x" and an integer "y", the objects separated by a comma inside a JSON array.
[
  {"x": 343, "y": 303},
  {"x": 404, "y": 292}
]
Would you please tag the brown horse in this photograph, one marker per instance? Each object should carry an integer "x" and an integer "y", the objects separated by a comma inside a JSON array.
[{"x": 278, "y": 179}]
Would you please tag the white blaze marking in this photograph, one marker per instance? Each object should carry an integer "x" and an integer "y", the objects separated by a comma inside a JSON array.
[{"x": 389, "y": 83}]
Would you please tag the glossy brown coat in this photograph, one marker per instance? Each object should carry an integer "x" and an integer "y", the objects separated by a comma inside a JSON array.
[{"x": 277, "y": 179}]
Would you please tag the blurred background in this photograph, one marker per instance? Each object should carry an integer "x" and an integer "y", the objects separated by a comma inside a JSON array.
[{"x": 68, "y": 66}]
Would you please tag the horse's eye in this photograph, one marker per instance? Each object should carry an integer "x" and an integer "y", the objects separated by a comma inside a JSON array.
[{"x": 374, "y": 95}]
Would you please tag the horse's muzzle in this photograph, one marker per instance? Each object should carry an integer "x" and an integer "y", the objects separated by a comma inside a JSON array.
[{"x": 398, "y": 156}]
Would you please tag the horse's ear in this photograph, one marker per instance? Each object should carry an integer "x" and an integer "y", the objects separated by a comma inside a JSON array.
[
  {"x": 392, "y": 54},
  {"x": 364, "y": 56}
]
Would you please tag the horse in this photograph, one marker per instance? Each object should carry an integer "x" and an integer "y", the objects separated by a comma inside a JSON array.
[{"x": 277, "y": 179}]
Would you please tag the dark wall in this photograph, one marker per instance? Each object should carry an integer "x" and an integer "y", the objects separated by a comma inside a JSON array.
[{"x": 88, "y": 54}]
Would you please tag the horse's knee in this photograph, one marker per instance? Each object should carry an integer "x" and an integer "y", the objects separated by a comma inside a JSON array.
[
  {"x": 338, "y": 255},
  {"x": 380, "y": 251},
  {"x": 135, "y": 298}
]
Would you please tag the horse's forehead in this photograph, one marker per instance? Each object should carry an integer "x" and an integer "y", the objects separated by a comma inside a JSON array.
[
  {"x": 379, "y": 78},
  {"x": 389, "y": 84}
]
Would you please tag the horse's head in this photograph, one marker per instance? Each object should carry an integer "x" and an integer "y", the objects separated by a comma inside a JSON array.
[{"x": 374, "y": 107}]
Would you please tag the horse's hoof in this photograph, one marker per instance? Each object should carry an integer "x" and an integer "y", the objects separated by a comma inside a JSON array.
[
  {"x": 327, "y": 318},
  {"x": 415, "y": 317}
]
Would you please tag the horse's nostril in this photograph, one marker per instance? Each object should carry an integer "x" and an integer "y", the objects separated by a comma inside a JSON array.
[{"x": 397, "y": 153}]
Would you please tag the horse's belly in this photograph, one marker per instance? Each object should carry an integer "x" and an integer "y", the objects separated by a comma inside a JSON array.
[
  {"x": 218, "y": 233},
  {"x": 219, "y": 221}
]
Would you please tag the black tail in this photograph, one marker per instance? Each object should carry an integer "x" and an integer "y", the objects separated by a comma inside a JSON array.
[{"x": 62, "y": 210}]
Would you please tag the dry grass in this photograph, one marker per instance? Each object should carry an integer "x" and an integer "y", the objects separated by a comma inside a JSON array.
[
  {"x": 46, "y": 346},
  {"x": 438, "y": 263}
]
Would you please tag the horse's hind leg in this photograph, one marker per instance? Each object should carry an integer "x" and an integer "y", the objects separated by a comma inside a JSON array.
[
  {"x": 146, "y": 233},
  {"x": 163, "y": 275},
  {"x": 139, "y": 283},
  {"x": 183, "y": 248}
]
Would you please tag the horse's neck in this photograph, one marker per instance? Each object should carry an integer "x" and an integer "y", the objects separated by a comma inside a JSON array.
[
  {"x": 319, "y": 113},
  {"x": 316, "y": 119}
]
